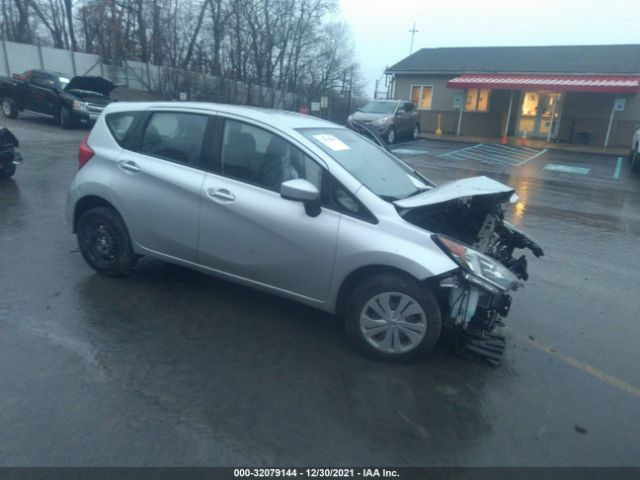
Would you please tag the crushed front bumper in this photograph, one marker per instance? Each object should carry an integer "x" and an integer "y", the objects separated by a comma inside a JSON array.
[{"x": 475, "y": 312}]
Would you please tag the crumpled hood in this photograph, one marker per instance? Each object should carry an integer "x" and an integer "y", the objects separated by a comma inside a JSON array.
[
  {"x": 91, "y": 84},
  {"x": 467, "y": 187}
]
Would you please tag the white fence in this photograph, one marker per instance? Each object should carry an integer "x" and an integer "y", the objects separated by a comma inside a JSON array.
[{"x": 19, "y": 57}]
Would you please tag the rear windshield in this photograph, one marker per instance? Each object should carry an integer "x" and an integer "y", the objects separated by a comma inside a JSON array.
[{"x": 120, "y": 124}]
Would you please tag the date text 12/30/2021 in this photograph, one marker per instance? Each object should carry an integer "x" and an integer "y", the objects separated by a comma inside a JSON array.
[{"x": 315, "y": 473}]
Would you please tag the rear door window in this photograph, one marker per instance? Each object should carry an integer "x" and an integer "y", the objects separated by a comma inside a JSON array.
[
  {"x": 121, "y": 126},
  {"x": 175, "y": 136}
]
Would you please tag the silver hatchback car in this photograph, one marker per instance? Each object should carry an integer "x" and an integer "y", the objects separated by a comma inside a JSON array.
[{"x": 302, "y": 208}]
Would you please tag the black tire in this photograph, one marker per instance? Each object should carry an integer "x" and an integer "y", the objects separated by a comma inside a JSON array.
[
  {"x": 398, "y": 286},
  {"x": 9, "y": 107},
  {"x": 635, "y": 161},
  {"x": 66, "y": 120},
  {"x": 416, "y": 132},
  {"x": 104, "y": 242},
  {"x": 391, "y": 135},
  {"x": 8, "y": 171}
]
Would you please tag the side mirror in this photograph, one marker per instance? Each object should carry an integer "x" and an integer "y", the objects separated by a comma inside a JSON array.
[
  {"x": 302, "y": 190},
  {"x": 400, "y": 112}
]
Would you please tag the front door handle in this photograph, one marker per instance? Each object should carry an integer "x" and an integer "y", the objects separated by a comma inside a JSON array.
[
  {"x": 129, "y": 166},
  {"x": 223, "y": 194}
]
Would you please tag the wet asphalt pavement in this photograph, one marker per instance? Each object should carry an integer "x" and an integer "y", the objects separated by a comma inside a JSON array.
[{"x": 171, "y": 367}]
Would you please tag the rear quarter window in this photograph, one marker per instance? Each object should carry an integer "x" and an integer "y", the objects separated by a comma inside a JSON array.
[{"x": 120, "y": 125}]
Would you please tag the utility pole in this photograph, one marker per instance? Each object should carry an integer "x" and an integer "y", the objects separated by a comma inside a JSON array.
[
  {"x": 350, "y": 87},
  {"x": 413, "y": 32}
]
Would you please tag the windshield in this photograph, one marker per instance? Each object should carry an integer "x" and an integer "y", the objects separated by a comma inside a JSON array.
[
  {"x": 376, "y": 169},
  {"x": 379, "y": 107}
]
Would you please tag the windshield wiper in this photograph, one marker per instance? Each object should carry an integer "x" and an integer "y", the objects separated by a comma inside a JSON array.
[
  {"x": 417, "y": 192},
  {"x": 393, "y": 198}
]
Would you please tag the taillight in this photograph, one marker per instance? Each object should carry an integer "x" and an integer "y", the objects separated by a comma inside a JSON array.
[{"x": 84, "y": 152}]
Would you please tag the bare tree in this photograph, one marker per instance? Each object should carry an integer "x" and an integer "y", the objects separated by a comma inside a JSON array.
[{"x": 288, "y": 45}]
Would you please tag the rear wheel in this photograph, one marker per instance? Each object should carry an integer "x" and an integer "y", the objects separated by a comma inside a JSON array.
[
  {"x": 9, "y": 108},
  {"x": 8, "y": 171},
  {"x": 393, "y": 317},
  {"x": 104, "y": 242}
]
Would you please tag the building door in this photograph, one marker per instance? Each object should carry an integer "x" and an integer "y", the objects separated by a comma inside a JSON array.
[{"x": 537, "y": 111}]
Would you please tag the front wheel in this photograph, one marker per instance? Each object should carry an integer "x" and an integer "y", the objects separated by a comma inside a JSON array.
[
  {"x": 393, "y": 317},
  {"x": 8, "y": 171},
  {"x": 391, "y": 135},
  {"x": 104, "y": 242},
  {"x": 66, "y": 120},
  {"x": 635, "y": 160},
  {"x": 9, "y": 108}
]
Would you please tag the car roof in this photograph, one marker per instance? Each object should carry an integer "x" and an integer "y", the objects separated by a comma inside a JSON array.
[
  {"x": 283, "y": 118},
  {"x": 48, "y": 72}
]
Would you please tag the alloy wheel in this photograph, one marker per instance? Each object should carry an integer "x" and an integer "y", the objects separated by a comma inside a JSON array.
[{"x": 391, "y": 135}]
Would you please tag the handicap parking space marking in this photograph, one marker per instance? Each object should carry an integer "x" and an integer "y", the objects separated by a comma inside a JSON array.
[
  {"x": 503, "y": 155},
  {"x": 458, "y": 151},
  {"x": 482, "y": 157},
  {"x": 554, "y": 167}
]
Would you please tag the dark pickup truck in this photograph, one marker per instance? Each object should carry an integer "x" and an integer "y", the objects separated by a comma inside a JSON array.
[{"x": 72, "y": 102}]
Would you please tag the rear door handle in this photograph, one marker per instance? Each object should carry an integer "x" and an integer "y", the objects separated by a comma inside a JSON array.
[
  {"x": 129, "y": 166},
  {"x": 223, "y": 194}
]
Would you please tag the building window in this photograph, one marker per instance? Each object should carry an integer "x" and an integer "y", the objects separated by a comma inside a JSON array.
[
  {"x": 477, "y": 100},
  {"x": 421, "y": 96}
]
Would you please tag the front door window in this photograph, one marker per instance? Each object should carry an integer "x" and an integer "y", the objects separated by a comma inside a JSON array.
[{"x": 254, "y": 155}]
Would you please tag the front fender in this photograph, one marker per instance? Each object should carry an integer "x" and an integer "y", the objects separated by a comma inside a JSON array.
[{"x": 363, "y": 245}]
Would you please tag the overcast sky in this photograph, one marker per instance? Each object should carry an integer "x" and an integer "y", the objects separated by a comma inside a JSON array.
[{"x": 381, "y": 27}]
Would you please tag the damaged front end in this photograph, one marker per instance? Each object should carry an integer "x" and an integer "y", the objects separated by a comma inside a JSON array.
[{"x": 467, "y": 219}]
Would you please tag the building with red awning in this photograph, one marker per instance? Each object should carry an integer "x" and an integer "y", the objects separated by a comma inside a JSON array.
[{"x": 576, "y": 94}]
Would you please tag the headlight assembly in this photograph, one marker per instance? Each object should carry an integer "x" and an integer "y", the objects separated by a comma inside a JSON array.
[
  {"x": 478, "y": 268},
  {"x": 79, "y": 106}
]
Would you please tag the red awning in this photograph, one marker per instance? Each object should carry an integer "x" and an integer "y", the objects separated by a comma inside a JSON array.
[{"x": 554, "y": 83}]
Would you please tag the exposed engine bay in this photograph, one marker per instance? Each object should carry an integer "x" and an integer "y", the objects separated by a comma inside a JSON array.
[
  {"x": 471, "y": 211},
  {"x": 468, "y": 220}
]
